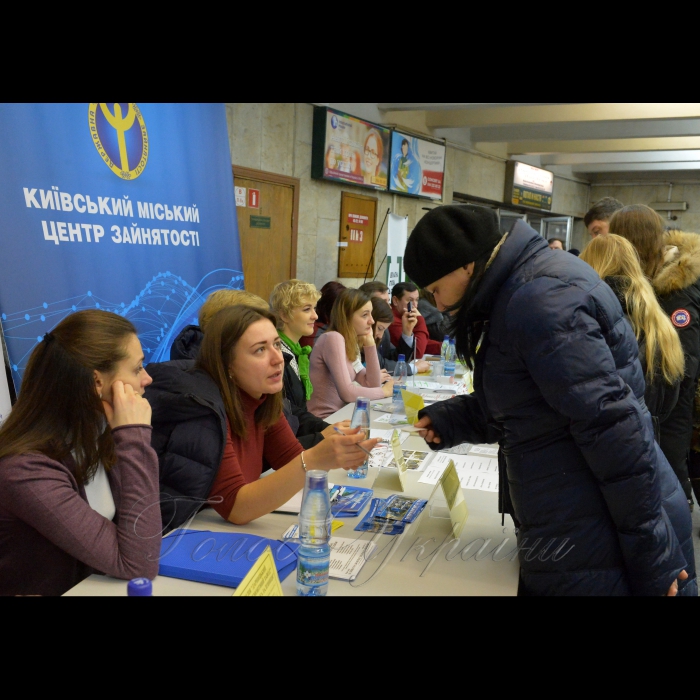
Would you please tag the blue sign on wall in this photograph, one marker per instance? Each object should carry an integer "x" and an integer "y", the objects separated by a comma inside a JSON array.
[{"x": 119, "y": 206}]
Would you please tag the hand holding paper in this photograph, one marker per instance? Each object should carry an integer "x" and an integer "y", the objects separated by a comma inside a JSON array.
[{"x": 413, "y": 403}]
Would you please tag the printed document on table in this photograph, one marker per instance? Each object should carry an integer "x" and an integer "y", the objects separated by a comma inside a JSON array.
[
  {"x": 293, "y": 505},
  {"x": 462, "y": 449},
  {"x": 348, "y": 557},
  {"x": 485, "y": 450},
  {"x": 474, "y": 471},
  {"x": 386, "y": 435},
  {"x": 395, "y": 419}
]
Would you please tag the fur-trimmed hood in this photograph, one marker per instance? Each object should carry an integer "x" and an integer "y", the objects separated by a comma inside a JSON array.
[{"x": 681, "y": 263}]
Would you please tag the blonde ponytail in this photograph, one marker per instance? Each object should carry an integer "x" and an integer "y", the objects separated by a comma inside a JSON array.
[{"x": 614, "y": 256}]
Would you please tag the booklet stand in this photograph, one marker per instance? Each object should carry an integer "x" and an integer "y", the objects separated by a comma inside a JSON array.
[
  {"x": 447, "y": 496},
  {"x": 398, "y": 478}
]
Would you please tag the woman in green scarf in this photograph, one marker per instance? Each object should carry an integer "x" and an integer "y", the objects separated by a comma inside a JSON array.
[{"x": 294, "y": 304}]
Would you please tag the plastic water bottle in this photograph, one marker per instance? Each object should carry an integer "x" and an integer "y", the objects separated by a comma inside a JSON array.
[
  {"x": 314, "y": 553},
  {"x": 360, "y": 419},
  {"x": 400, "y": 375},
  {"x": 450, "y": 359},
  {"x": 445, "y": 346},
  {"x": 139, "y": 587}
]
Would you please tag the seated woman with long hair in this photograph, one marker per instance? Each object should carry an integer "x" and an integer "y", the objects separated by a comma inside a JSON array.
[
  {"x": 660, "y": 352},
  {"x": 335, "y": 361},
  {"x": 214, "y": 425},
  {"x": 78, "y": 477}
]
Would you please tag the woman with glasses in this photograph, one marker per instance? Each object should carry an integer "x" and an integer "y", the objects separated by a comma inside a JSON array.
[{"x": 372, "y": 160}]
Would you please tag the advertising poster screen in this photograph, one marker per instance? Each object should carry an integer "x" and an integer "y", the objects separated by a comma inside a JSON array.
[
  {"x": 417, "y": 166},
  {"x": 350, "y": 150},
  {"x": 531, "y": 187}
]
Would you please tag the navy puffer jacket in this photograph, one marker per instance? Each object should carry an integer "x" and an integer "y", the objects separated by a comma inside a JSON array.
[{"x": 558, "y": 384}]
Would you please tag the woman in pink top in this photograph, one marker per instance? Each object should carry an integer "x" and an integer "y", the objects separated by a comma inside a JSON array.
[{"x": 335, "y": 360}]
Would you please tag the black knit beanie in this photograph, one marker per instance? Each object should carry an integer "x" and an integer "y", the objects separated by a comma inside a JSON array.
[{"x": 448, "y": 238}]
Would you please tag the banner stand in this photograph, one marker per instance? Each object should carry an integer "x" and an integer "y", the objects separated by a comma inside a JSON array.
[{"x": 5, "y": 400}]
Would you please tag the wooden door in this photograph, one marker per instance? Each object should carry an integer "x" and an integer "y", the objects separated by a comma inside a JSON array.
[
  {"x": 267, "y": 227},
  {"x": 358, "y": 222}
]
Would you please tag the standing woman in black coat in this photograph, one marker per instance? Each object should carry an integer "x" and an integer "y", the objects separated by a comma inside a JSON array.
[
  {"x": 558, "y": 384},
  {"x": 671, "y": 261},
  {"x": 660, "y": 351}
]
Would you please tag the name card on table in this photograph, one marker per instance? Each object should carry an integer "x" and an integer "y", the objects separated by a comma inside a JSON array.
[
  {"x": 401, "y": 466},
  {"x": 454, "y": 498},
  {"x": 262, "y": 579}
]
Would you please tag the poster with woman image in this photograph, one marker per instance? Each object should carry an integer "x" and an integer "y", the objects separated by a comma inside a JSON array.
[
  {"x": 354, "y": 151},
  {"x": 417, "y": 166}
]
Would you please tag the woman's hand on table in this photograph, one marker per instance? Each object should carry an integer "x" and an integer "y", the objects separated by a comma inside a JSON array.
[
  {"x": 386, "y": 377},
  {"x": 388, "y": 388},
  {"x": 340, "y": 451},
  {"x": 423, "y": 366},
  {"x": 428, "y": 430},
  {"x": 343, "y": 426},
  {"x": 127, "y": 407}
]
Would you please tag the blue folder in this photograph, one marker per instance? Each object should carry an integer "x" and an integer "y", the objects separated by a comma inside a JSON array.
[{"x": 221, "y": 558}]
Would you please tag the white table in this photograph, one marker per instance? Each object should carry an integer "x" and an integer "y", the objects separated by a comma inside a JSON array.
[{"x": 425, "y": 560}]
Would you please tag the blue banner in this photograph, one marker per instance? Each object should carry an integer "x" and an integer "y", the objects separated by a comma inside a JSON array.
[{"x": 120, "y": 206}]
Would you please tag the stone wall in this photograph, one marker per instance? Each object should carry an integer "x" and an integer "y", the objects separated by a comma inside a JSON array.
[
  {"x": 646, "y": 194},
  {"x": 276, "y": 137}
]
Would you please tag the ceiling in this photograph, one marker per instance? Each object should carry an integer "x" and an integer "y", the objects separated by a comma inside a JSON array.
[{"x": 591, "y": 141}]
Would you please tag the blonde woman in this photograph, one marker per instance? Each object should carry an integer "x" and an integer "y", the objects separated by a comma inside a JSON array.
[
  {"x": 660, "y": 352},
  {"x": 294, "y": 304},
  {"x": 671, "y": 261},
  {"x": 335, "y": 360},
  {"x": 186, "y": 345}
]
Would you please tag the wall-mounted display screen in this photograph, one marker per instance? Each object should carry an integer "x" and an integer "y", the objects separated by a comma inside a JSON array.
[
  {"x": 349, "y": 150},
  {"x": 417, "y": 166},
  {"x": 529, "y": 186}
]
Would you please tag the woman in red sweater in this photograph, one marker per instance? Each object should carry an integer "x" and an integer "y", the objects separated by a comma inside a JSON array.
[
  {"x": 78, "y": 478},
  {"x": 241, "y": 353}
]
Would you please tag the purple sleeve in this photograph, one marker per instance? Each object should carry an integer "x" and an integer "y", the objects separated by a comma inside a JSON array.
[{"x": 43, "y": 493}]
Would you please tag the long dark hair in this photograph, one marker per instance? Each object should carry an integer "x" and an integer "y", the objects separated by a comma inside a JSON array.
[
  {"x": 465, "y": 327},
  {"x": 59, "y": 410},
  {"x": 329, "y": 293},
  {"x": 218, "y": 349}
]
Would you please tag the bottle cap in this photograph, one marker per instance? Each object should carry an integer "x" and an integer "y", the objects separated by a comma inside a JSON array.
[
  {"x": 139, "y": 587},
  {"x": 362, "y": 403},
  {"x": 316, "y": 479},
  {"x": 447, "y": 337},
  {"x": 402, "y": 358}
]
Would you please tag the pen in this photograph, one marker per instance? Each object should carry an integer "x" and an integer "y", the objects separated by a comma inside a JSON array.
[{"x": 340, "y": 432}]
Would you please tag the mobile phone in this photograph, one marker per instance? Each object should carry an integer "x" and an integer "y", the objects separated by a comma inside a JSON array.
[{"x": 410, "y": 307}]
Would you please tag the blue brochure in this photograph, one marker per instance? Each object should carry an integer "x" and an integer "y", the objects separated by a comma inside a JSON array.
[
  {"x": 221, "y": 558},
  {"x": 348, "y": 501}
]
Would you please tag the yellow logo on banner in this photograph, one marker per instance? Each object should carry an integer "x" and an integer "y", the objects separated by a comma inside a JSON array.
[{"x": 120, "y": 137}]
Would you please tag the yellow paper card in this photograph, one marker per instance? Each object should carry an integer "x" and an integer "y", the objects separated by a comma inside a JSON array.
[
  {"x": 412, "y": 404},
  {"x": 336, "y": 524},
  {"x": 452, "y": 490},
  {"x": 262, "y": 580},
  {"x": 401, "y": 466}
]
